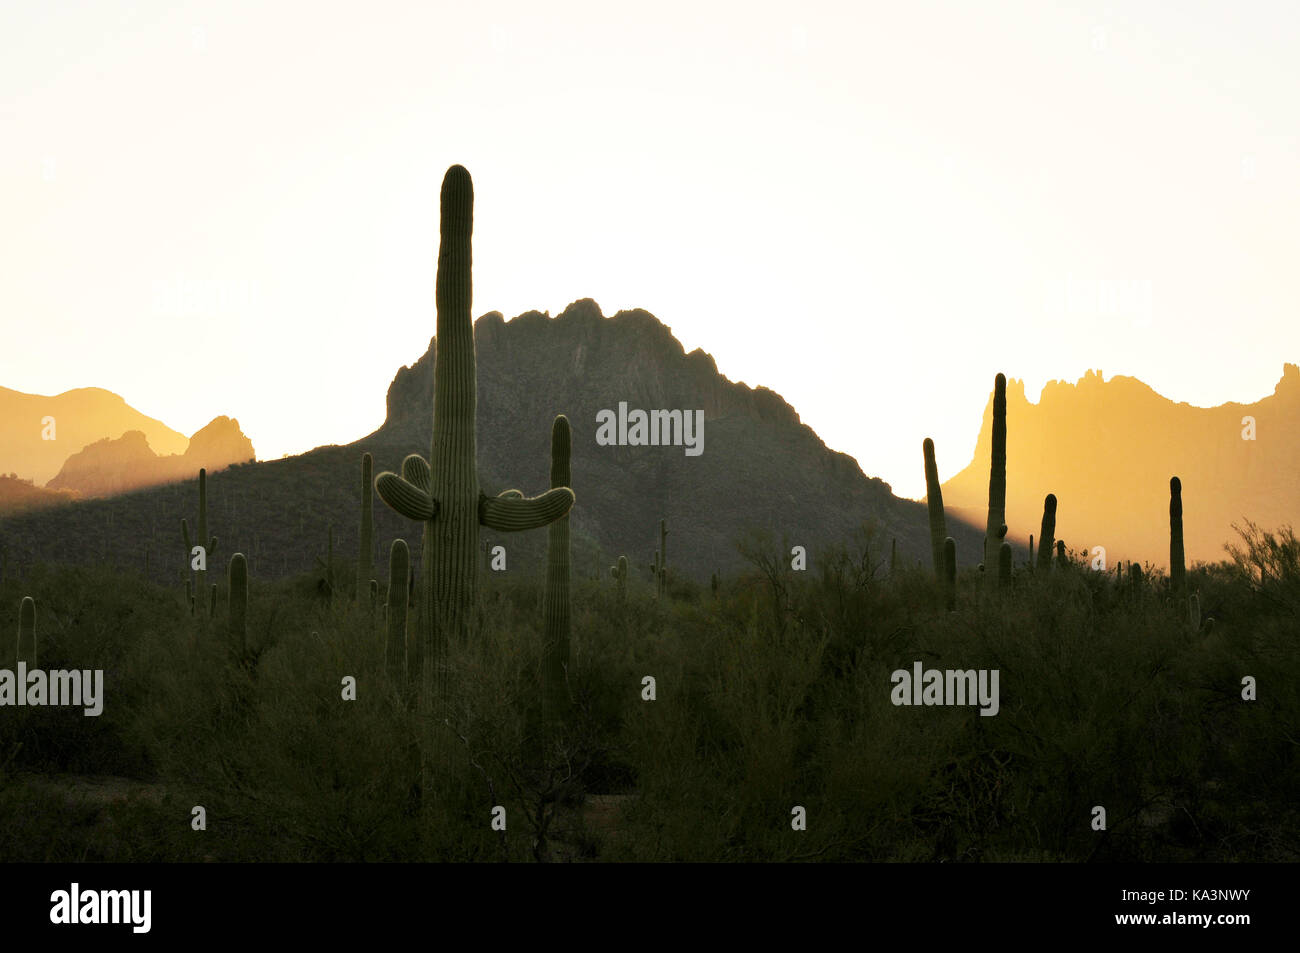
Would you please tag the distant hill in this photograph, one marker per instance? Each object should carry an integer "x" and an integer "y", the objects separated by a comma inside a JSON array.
[
  {"x": 109, "y": 466},
  {"x": 81, "y": 417},
  {"x": 760, "y": 466},
  {"x": 1107, "y": 450},
  {"x": 18, "y": 495}
]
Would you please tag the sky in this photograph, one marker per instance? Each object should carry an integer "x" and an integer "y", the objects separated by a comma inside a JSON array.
[{"x": 870, "y": 208}]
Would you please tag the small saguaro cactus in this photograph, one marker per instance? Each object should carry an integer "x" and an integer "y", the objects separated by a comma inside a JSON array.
[
  {"x": 395, "y": 613},
  {"x": 27, "y": 633},
  {"x": 367, "y": 547},
  {"x": 1194, "y": 611},
  {"x": 444, "y": 492},
  {"x": 934, "y": 503},
  {"x": 1047, "y": 532},
  {"x": 994, "y": 530},
  {"x": 1177, "y": 566},
  {"x": 239, "y": 602},
  {"x": 619, "y": 574},
  {"x": 950, "y": 572},
  {"x": 663, "y": 557},
  {"x": 1004, "y": 565},
  {"x": 555, "y": 656},
  {"x": 1062, "y": 561},
  {"x": 656, "y": 573}
]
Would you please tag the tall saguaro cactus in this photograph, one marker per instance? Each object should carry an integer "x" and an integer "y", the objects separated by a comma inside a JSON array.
[
  {"x": 1177, "y": 565},
  {"x": 395, "y": 613},
  {"x": 208, "y": 542},
  {"x": 444, "y": 492},
  {"x": 365, "y": 556},
  {"x": 1047, "y": 534},
  {"x": 239, "y": 602},
  {"x": 997, "y": 521},
  {"x": 934, "y": 502},
  {"x": 555, "y": 658},
  {"x": 27, "y": 634}
]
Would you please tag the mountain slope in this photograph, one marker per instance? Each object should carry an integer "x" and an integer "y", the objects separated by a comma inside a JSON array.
[
  {"x": 760, "y": 467},
  {"x": 81, "y": 417},
  {"x": 1107, "y": 450}
]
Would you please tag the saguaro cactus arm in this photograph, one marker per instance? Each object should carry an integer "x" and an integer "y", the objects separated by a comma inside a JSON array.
[
  {"x": 405, "y": 497},
  {"x": 512, "y": 514}
]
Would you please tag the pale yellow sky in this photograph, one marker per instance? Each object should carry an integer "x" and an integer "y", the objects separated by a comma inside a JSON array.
[{"x": 871, "y": 208}]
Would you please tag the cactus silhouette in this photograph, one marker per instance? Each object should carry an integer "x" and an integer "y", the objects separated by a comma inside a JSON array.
[
  {"x": 444, "y": 492},
  {"x": 663, "y": 557},
  {"x": 997, "y": 476},
  {"x": 1031, "y": 551},
  {"x": 934, "y": 502},
  {"x": 1047, "y": 533},
  {"x": 365, "y": 561},
  {"x": 1062, "y": 561},
  {"x": 211, "y": 545},
  {"x": 395, "y": 613},
  {"x": 1194, "y": 611},
  {"x": 239, "y": 603},
  {"x": 1177, "y": 567},
  {"x": 1004, "y": 565},
  {"x": 27, "y": 633},
  {"x": 555, "y": 658},
  {"x": 950, "y": 572},
  {"x": 619, "y": 575}
]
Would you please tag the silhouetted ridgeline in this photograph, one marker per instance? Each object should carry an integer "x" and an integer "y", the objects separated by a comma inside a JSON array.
[
  {"x": 81, "y": 416},
  {"x": 108, "y": 466},
  {"x": 1107, "y": 450},
  {"x": 760, "y": 466}
]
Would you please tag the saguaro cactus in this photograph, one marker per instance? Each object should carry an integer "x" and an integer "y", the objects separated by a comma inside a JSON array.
[
  {"x": 1047, "y": 532},
  {"x": 445, "y": 494},
  {"x": 27, "y": 634},
  {"x": 663, "y": 557},
  {"x": 365, "y": 556},
  {"x": 1194, "y": 611},
  {"x": 395, "y": 613},
  {"x": 619, "y": 575},
  {"x": 1062, "y": 561},
  {"x": 1004, "y": 565},
  {"x": 210, "y": 545},
  {"x": 555, "y": 657},
  {"x": 997, "y": 520},
  {"x": 1177, "y": 567},
  {"x": 239, "y": 602},
  {"x": 934, "y": 502},
  {"x": 950, "y": 572}
]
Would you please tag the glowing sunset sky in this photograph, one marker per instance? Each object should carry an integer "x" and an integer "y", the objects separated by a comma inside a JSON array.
[{"x": 231, "y": 208}]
